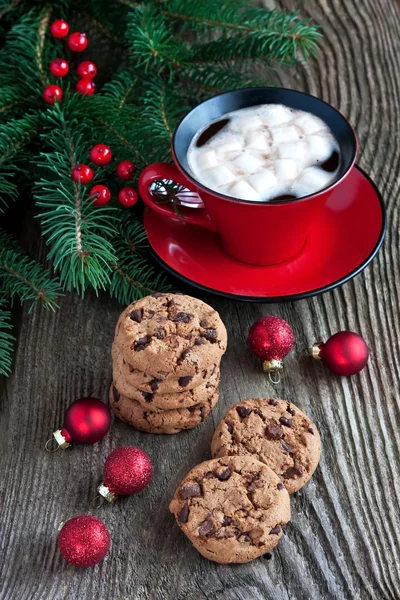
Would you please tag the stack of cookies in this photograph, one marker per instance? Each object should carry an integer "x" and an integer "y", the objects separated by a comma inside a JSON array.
[
  {"x": 234, "y": 508},
  {"x": 166, "y": 363}
]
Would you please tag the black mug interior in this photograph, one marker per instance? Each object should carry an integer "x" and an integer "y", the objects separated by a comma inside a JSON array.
[{"x": 215, "y": 107}]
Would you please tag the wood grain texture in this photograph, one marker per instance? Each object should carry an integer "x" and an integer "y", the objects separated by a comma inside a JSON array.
[{"x": 344, "y": 539}]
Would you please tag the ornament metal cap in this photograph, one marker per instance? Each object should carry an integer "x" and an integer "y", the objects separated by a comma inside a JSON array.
[
  {"x": 316, "y": 351},
  {"x": 271, "y": 366},
  {"x": 60, "y": 440},
  {"x": 106, "y": 493}
]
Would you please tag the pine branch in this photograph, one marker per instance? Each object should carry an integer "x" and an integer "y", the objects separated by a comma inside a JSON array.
[
  {"x": 6, "y": 339},
  {"x": 6, "y": 7},
  {"x": 79, "y": 232},
  {"x": 133, "y": 277},
  {"x": 24, "y": 278}
]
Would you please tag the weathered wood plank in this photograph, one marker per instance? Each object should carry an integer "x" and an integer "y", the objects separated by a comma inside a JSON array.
[{"x": 343, "y": 541}]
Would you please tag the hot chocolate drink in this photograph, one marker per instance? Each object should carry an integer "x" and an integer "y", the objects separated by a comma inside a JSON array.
[{"x": 266, "y": 152}]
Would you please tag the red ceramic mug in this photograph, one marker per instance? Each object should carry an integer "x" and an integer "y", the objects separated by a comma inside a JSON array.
[{"x": 258, "y": 233}]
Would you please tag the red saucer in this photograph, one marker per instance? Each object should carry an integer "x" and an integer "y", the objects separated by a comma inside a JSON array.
[{"x": 343, "y": 241}]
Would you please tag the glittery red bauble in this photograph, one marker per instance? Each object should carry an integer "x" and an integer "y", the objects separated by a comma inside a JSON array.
[
  {"x": 82, "y": 173},
  {"x": 59, "y": 67},
  {"x": 101, "y": 195},
  {"x": 127, "y": 471},
  {"x": 78, "y": 41},
  {"x": 345, "y": 353},
  {"x": 126, "y": 170},
  {"x": 86, "y": 421},
  {"x": 52, "y": 94},
  {"x": 100, "y": 154},
  {"x": 86, "y": 69},
  {"x": 85, "y": 87},
  {"x": 59, "y": 28},
  {"x": 270, "y": 338},
  {"x": 128, "y": 196},
  {"x": 84, "y": 541}
]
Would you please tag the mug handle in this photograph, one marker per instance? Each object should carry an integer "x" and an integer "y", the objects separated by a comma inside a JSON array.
[{"x": 169, "y": 171}]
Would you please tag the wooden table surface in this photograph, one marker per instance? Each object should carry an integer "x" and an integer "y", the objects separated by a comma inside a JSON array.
[{"x": 343, "y": 541}]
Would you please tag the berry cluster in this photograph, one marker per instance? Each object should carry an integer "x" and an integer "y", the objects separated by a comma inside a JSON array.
[
  {"x": 101, "y": 156},
  {"x": 59, "y": 67}
]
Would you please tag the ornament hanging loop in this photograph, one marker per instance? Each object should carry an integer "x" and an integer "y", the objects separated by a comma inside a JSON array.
[
  {"x": 51, "y": 445},
  {"x": 274, "y": 377},
  {"x": 98, "y": 501}
]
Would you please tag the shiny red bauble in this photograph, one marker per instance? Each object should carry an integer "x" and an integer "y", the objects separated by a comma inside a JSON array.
[
  {"x": 59, "y": 28},
  {"x": 270, "y": 338},
  {"x": 78, "y": 42},
  {"x": 345, "y": 353},
  {"x": 84, "y": 541},
  {"x": 86, "y": 87},
  {"x": 128, "y": 196},
  {"x": 126, "y": 170},
  {"x": 59, "y": 67},
  {"x": 52, "y": 94},
  {"x": 100, "y": 154},
  {"x": 127, "y": 471},
  {"x": 82, "y": 174},
  {"x": 86, "y": 421},
  {"x": 101, "y": 195},
  {"x": 86, "y": 69}
]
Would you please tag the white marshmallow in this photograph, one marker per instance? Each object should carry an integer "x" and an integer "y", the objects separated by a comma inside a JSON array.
[
  {"x": 243, "y": 191},
  {"x": 310, "y": 124},
  {"x": 248, "y": 163},
  {"x": 249, "y": 123},
  {"x": 320, "y": 147},
  {"x": 311, "y": 180},
  {"x": 258, "y": 140},
  {"x": 286, "y": 133},
  {"x": 276, "y": 114},
  {"x": 231, "y": 143},
  {"x": 263, "y": 180},
  {"x": 297, "y": 151},
  {"x": 207, "y": 158},
  {"x": 218, "y": 176},
  {"x": 286, "y": 170}
]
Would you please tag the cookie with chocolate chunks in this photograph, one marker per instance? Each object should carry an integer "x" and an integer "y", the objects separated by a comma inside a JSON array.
[
  {"x": 166, "y": 421},
  {"x": 170, "y": 336},
  {"x": 275, "y": 432},
  {"x": 232, "y": 509}
]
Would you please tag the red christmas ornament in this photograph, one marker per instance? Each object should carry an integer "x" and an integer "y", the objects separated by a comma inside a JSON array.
[
  {"x": 100, "y": 154},
  {"x": 84, "y": 541},
  {"x": 127, "y": 471},
  {"x": 86, "y": 87},
  {"x": 78, "y": 42},
  {"x": 271, "y": 339},
  {"x": 345, "y": 353},
  {"x": 86, "y": 69},
  {"x": 59, "y": 67},
  {"x": 128, "y": 196},
  {"x": 82, "y": 174},
  {"x": 86, "y": 421},
  {"x": 126, "y": 170},
  {"x": 101, "y": 195},
  {"x": 59, "y": 28},
  {"x": 52, "y": 94}
]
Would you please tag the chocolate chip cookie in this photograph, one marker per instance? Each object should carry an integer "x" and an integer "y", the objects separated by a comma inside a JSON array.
[
  {"x": 170, "y": 335},
  {"x": 122, "y": 371},
  {"x": 156, "y": 402},
  {"x": 233, "y": 509},
  {"x": 275, "y": 432},
  {"x": 166, "y": 421}
]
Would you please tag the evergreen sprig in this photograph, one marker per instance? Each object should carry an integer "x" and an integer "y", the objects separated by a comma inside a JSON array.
[{"x": 156, "y": 60}]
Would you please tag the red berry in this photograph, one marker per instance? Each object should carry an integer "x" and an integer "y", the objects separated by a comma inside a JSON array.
[
  {"x": 82, "y": 174},
  {"x": 86, "y": 87},
  {"x": 78, "y": 41},
  {"x": 52, "y": 94},
  {"x": 87, "y": 69},
  {"x": 59, "y": 28},
  {"x": 126, "y": 170},
  {"x": 102, "y": 194},
  {"x": 100, "y": 155},
  {"x": 128, "y": 196},
  {"x": 59, "y": 67}
]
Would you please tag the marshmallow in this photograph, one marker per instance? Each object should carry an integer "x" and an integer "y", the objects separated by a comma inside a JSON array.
[
  {"x": 263, "y": 180},
  {"x": 207, "y": 158},
  {"x": 286, "y": 170},
  {"x": 218, "y": 176},
  {"x": 320, "y": 147},
  {"x": 286, "y": 133},
  {"x": 297, "y": 151},
  {"x": 248, "y": 163},
  {"x": 249, "y": 123},
  {"x": 243, "y": 191},
  {"x": 258, "y": 140},
  {"x": 276, "y": 114},
  {"x": 310, "y": 124},
  {"x": 231, "y": 143},
  {"x": 311, "y": 180}
]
